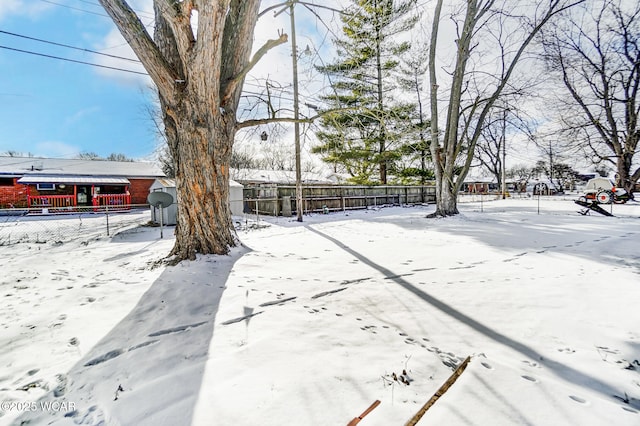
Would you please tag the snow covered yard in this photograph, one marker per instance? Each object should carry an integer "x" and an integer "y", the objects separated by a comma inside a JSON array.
[{"x": 309, "y": 323}]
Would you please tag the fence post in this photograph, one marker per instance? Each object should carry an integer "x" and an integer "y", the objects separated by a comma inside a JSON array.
[
  {"x": 107, "y": 214},
  {"x": 257, "y": 212}
]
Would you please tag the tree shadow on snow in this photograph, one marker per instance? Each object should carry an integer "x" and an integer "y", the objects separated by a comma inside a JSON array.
[
  {"x": 148, "y": 369},
  {"x": 597, "y": 239},
  {"x": 563, "y": 371}
]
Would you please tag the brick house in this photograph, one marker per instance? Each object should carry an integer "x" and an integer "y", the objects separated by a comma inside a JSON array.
[{"x": 67, "y": 183}]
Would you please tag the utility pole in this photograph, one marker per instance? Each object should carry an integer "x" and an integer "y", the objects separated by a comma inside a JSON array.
[
  {"x": 504, "y": 154},
  {"x": 550, "y": 164},
  {"x": 296, "y": 115}
]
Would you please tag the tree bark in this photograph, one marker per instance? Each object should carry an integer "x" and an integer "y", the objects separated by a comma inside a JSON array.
[
  {"x": 199, "y": 81},
  {"x": 450, "y": 171},
  {"x": 202, "y": 153}
]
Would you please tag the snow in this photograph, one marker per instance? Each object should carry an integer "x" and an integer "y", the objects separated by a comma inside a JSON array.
[{"x": 307, "y": 323}]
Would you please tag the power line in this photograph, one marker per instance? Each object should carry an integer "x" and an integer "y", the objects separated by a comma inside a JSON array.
[
  {"x": 68, "y": 46},
  {"x": 75, "y": 8},
  {"x": 139, "y": 12},
  {"x": 108, "y": 67},
  {"x": 71, "y": 60}
]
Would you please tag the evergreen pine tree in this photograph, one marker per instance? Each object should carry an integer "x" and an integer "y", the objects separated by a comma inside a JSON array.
[
  {"x": 415, "y": 148},
  {"x": 362, "y": 130}
]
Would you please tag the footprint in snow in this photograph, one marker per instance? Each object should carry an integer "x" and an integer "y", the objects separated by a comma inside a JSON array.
[
  {"x": 486, "y": 365},
  {"x": 369, "y": 328},
  {"x": 529, "y": 378},
  {"x": 578, "y": 399}
]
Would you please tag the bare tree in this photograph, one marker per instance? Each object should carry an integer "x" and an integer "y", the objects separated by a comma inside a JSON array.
[
  {"x": 508, "y": 28},
  {"x": 596, "y": 53},
  {"x": 521, "y": 174},
  {"x": 199, "y": 77},
  {"x": 13, "y": 153},
  {"x": 88, "y": 155},
  {"x": 503, "y": 124},
  {"x": 118, "y": 156}
]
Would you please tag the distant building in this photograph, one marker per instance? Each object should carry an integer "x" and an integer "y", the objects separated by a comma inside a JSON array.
[
  {"x": 254, "y": 177},
  {"x": 67, "y": 183}
]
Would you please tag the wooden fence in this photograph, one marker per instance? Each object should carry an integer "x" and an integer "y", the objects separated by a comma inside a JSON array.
[{"x": 280, "y": 200}]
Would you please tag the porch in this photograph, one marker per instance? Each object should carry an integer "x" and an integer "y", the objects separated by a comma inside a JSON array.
[
  {"x": 70, "y": 202},
  {"x": 76, "y": 193}
]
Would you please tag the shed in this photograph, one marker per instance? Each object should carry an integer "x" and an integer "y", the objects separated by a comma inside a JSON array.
[
  {"x": 170, "y": 214},
  {"x": 236, "y": 198}
]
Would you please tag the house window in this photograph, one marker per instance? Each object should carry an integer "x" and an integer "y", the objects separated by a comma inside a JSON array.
[
  {"x": 46, "y": 186},
  {"x": 6, "y": 181}
]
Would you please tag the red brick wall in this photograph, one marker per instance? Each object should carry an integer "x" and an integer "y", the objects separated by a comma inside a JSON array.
[
  {"x": 139, "y": 190},
  {"x": 15, "y": 195}
]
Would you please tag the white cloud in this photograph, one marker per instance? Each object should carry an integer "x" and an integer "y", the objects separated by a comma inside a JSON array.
[
  {"x": 29, "y": 8},
  {"x": 114, "y": 44},
  {"x": 80, "y": 115},
  {"x": 55, "y": 149}
]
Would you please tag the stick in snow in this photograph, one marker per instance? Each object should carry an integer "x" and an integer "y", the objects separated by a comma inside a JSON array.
[
  {"x": 356, "y": 420},
  {"x": 445, "y": 387}
]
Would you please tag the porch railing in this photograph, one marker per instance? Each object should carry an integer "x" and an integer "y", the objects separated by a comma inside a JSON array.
[
  {"x": 51, "y": 201},
  {"x": 114, "y": 200},
  {"x": 68, "y": 202}
]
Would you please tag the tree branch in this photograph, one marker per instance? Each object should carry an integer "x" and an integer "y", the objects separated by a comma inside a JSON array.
[
  {"x": 308, "y": 120},
  {"x": 143, "y": 46},
  {"x": 238, "y": 78},
  {"x": 178, "y": 17}
]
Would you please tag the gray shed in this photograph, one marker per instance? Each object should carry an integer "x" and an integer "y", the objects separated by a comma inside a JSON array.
[
  {"x": 169, "y": 213},
  {"x": 169, "y": 185}
]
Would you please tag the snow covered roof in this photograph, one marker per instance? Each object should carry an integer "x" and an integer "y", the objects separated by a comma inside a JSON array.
[
  {"x": 171, "y": 183},
  {"x": 21, "y": 166},
  {"x": 73, "y": 179},
  {"x": 287, "y": 177}
]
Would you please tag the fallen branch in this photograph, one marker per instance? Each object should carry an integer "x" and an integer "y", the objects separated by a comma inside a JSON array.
[{"x": 450, "y": 381}]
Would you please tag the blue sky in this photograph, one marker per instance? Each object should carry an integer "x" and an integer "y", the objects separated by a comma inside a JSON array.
[{"x": 55, "y": 108}]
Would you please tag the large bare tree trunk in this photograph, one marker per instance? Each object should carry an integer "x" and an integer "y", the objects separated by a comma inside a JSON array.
[
  {"x": 204, "y": 216},
  {"x": 454, "y": 154},
  {"x": 199, "y": 79}
]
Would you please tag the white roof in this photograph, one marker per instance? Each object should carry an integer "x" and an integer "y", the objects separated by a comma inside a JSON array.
[
  {"x": 73, "y": 180},
  {"x": 287, "y": 177},
  {"x": 20, "y": 166},
  {"x": 171, "y": 183}
]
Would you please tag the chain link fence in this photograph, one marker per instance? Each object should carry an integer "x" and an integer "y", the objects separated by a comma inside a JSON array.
[{"x": 32, "y": 226}]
